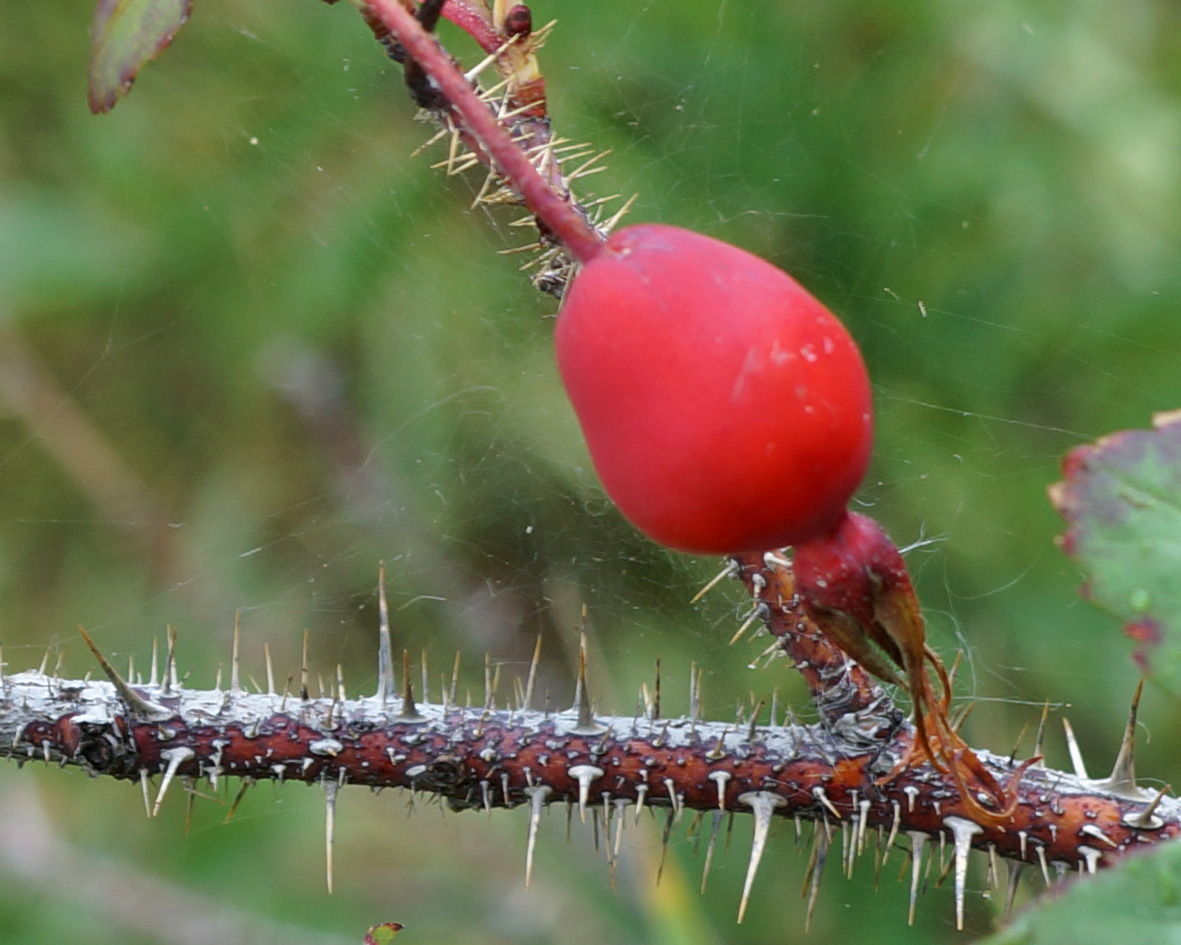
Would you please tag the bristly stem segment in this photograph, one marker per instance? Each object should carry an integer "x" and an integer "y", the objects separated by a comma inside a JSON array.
[
  {"x": 563, "y": 222},
  {"x": 484, "y": 757}
]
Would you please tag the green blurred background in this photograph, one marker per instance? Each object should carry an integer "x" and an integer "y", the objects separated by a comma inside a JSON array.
[{"x": 250, "y": 345}]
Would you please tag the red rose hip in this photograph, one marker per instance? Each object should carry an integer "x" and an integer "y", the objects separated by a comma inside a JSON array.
[{"x": 724, "y": 407}]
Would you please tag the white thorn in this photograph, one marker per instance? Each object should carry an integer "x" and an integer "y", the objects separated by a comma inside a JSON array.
[
  {"x": 1090, "y": 857},
  {"x": 863, "y": 806},
  {"x": 1076, "y": 755},
  {"x": 641, "y": 794},
  {"x": 537, "y": 796},
  {"x": 763, "y": 803},
  {"x": 585, "y": 774},
  {"x": 671, "y": 786},
  {"x": 170, "y": 680},
  {"x": 994, "y": 868},
  {"x": 175, "y": 758},
  {"x": 849, "y": 839},
  {"x": 1023, "y": 840},
  {"x": 486, "y": 793},
  {"x": 143, "y": 781},
  {"x": 385, "y": 649},
  {"x": 1041, "y": 856},
  {"x": 822, "y": 797},
  {"x": 894, "y": 824},
  {"x": 773, "y": 560},
  {"x": 918, "y": 842},
  {"x": 963, "y": 831},
  {"x": 1091, "y": 830},
  {"x": 330, "y": 789},
  {"x": 911, "y": 793},
  {"x": 720, "y": 778},
  {"x": 620, "y": 805}
]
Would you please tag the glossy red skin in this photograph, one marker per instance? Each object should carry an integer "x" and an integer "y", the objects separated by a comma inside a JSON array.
[{"x": 725, "y": 409}]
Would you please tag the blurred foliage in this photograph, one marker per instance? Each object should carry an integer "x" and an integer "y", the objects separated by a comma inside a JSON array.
[
  {"x": 251, "y": 344},
  {"x": 1138, "y": 901}
]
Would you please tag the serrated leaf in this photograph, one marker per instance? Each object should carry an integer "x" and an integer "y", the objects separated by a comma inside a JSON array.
[
  {"x": 1121, "y": 498},
  {"x": 125, "y": 35},
  {"x": 1138, "y": 900}
]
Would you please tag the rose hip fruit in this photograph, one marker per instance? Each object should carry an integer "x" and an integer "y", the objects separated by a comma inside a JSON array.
[{"x": 725, "y": 408}]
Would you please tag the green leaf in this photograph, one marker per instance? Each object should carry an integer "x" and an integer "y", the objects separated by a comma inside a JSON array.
[
  {"x": 125, "y": 35},
  {"x": 1137, "y": 901},
  {"x": 382, "y": 934},
  {"x": 1121, "y": 498}
]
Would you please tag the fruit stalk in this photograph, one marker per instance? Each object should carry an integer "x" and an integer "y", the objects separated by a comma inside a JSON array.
[{"x": 855, "y": 587}]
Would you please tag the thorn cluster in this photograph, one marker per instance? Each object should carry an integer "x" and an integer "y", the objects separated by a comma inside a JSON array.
[
  {"x": 516, "y": 100},
  {"x": 483, "y": 756}
]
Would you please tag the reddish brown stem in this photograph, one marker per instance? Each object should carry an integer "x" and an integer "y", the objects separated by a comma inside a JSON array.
[
  {"x": 562, "y": 221},
  {"x": 485, "y": 758}
]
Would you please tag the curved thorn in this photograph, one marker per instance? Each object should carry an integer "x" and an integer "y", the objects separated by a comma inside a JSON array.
[
  {"x": 175, "y": 758},
  {"x": 135, "y": 704},
  {"x": 1123, "y": 773}
]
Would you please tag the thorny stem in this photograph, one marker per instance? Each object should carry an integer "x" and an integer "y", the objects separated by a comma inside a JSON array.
[
  {"x": 838, "y": 772},
  {"x": 561, "y": 220},
  {"x": 843, "y": 768}
]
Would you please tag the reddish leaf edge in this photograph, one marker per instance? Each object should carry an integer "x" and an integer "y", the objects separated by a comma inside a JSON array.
[
  {"x": 1067, "y": 499},
  {"x": 101, "y": 100}
]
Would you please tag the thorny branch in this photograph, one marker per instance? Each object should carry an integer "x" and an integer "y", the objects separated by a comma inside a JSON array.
[
  {"x": 844, "y": 773},
  {"x": 516, "y": 102},
  {"x": 838, "y": 773}
]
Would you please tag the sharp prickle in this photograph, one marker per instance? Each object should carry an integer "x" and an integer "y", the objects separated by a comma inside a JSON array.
[
  {"x": 763, "y": 804},
  {"x": 1076, "y": 755},
  {"x": 537, "y": 798},
  {"x": 820, "y": 845},
  {"x": 918, "y": 842},
  {"x": 962, "y": 831},
  {"x": 1123, "y": 774},
  {"x": 175, "y": 758},
  {"x": 730, "y": 570},
  {"x": 584, "y": 774},
  {"x": 135, "y": 704},
  {"x": 330, "y": 791},
  {"x": 709, "y": 849}
]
